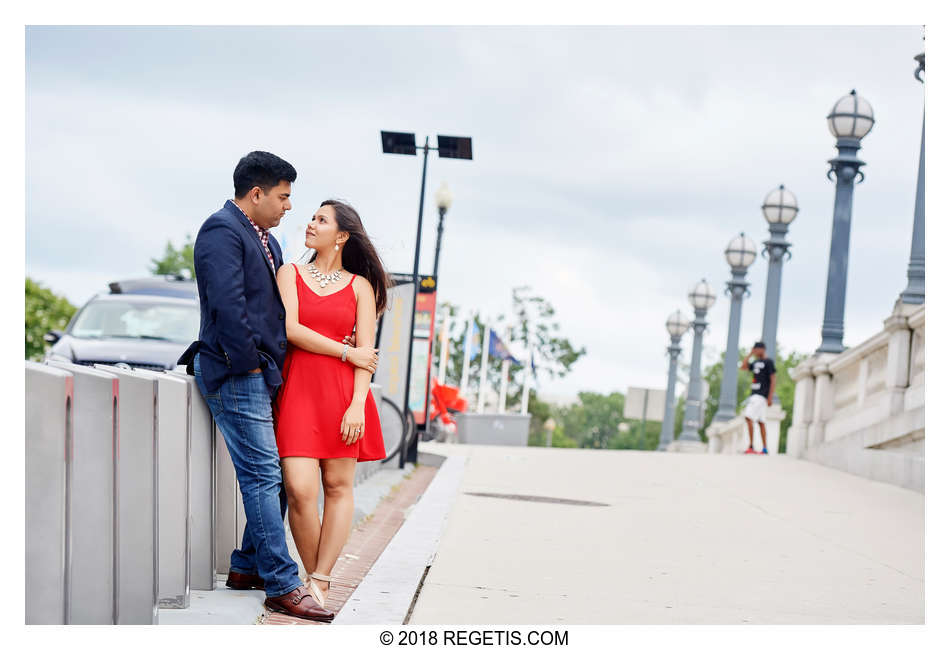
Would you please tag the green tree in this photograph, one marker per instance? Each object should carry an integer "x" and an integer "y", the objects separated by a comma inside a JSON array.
[
  {"x": 539, "y": 438},
  {"x": 44, "y": 311},
  {"x": 533, "y": 324},
  {"x": 594, "y": 423},
  {"x": 635, "y": 439},
  {"x": 176, "y": 261},
  {"x": 534, "y": 328},
  {"x": 540, "y": 412}
]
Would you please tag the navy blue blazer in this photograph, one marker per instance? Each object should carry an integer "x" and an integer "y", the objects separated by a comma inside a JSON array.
[{"x": 242, "y": 316}]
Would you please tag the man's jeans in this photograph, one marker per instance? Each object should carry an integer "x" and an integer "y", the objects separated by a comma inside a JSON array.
[{"x": 242, "y": 411}]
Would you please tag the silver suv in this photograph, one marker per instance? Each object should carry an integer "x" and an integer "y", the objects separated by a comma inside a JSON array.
[{"x": 145, "y": 323}]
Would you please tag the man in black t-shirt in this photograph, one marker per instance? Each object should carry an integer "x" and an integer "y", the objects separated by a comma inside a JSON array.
[{"x": 763, "y": 389}]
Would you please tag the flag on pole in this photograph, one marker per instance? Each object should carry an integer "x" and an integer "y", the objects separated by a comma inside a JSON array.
[
  {"x": 498, "y": 349},
  {"x": 475, "y": 336},
  {"x": 526, "y": 383}
]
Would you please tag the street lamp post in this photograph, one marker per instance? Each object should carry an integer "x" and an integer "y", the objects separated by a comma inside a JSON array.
[
  {"x": 443, "y": 201},
  {"x": 676, "y": 325},
  {"x": 448, "y": 147},
  {"x": 779, "y": 208},
  {"x": 623, "y": 428},
  {"x": 701, "y": 298},
  {"x": 914, "y": 293},
  {"x": 549, "y": 426},
  {"x": 850, "y": 119},
  {"x": 740, "y": 254}
]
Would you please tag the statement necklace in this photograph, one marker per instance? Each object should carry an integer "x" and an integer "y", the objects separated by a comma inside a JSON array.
[{"x": 324, "y": 278}]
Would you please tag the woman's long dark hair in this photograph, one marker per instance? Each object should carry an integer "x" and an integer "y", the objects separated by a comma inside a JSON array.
[{"x": 359, "y": 254}]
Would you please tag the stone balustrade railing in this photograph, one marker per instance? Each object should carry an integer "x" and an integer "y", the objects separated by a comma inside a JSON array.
[{"x": 863, "y": 410}]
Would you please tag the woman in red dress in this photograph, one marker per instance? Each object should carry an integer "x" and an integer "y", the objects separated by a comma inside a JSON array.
[{"x": 326, "y": 417}]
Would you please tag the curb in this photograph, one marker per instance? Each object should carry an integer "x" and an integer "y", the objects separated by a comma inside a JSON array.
[{"x": 387, "y": 593}]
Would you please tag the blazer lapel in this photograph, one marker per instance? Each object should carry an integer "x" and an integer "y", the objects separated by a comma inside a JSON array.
[{"x": 239, "y": 215}]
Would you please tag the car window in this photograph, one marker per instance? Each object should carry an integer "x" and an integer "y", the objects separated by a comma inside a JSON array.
[{"x": 154, "y": 321}]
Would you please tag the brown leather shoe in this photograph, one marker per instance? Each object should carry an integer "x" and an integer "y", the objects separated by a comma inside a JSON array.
[
  {"x": 299, "y": 603},
  {"x": 244, "y": 581}
]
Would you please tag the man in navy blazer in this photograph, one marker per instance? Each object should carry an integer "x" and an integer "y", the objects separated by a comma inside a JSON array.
[
  {"x": 242, "y": 317},
  {"x": 237, "y": 363}
]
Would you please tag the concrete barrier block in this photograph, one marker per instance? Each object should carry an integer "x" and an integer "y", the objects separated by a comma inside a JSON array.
[
  {"x": 201, "y": 491},
  {"x": 138, "y": 497},
  {"x": 174, "y": 480},
  {"x": 93, "y": 500},
  {"x": 493, "y": 429},
  {"x": 48, "y": 451}
]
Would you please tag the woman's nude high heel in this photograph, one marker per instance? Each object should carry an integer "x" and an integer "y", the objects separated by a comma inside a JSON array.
[{"x": 315, "y": 590}]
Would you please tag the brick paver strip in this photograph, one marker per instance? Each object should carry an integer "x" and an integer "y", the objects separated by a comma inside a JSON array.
[{"x": 365, "y": 544}]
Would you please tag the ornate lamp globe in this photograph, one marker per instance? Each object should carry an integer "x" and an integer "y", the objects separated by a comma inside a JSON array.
[
  {"x": 677, "y": 324},
  {"x": 780, "y": 206},
  {"x": 443, "y": 197},
  {"x": 851, "y": 117},
  {"x": 741, "y": 252},
  {"x": 702, "y": 296}
]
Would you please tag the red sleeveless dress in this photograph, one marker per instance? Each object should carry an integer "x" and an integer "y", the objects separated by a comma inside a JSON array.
[{"x": 318, "y": 388}]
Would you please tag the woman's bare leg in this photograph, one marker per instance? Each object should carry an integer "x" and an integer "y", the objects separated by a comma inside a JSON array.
[
  {"x": 338, "y": 474},
  {"x": 302, "y": 482}
]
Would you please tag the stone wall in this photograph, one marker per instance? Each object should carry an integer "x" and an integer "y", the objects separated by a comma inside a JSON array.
[{"x": 862, "y": 411}]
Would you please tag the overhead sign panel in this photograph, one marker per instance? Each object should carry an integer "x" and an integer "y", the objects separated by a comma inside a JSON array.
[
  {"x": 396, "y": 142},
  {"x": 455, "y": 147}
]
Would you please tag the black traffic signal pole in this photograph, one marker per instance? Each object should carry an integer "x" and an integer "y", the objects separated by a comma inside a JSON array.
[
  {"x": 412, "y": 453},
  {"x": 449, "y": 147}
]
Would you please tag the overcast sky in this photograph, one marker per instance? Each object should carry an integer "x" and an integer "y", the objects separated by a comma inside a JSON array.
[{"x": 611, "y": 167}]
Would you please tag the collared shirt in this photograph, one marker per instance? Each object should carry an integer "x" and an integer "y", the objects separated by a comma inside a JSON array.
[{"x": 262, "y": 234}]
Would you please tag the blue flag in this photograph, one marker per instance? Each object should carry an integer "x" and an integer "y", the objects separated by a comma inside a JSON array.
[
  {"x": 499, "y": 350},
  {"x": 474, "y": 335}
]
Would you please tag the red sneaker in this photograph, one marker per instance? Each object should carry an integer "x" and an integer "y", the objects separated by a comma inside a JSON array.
[{"x": 750, "y": 450}]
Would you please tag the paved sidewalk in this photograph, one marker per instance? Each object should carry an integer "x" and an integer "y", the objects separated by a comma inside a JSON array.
[
  {"x": 379, "y": 509},
  {"x": 366, "y": 542},
  {"x": 683, "y": 538}
]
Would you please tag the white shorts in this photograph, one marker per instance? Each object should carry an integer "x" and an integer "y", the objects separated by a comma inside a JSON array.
[{"x": 755, "y": 408}]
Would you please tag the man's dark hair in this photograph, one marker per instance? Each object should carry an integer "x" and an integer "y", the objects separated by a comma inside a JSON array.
[{"x": 261, "y": 169}]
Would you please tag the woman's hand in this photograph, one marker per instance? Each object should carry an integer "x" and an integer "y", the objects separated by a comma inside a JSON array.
[
  {"x": 354, "y": 421},
  {"x": 366, "y": 357}
]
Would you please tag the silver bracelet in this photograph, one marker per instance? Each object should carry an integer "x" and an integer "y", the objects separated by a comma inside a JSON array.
[{"x": 345, "y": 348}]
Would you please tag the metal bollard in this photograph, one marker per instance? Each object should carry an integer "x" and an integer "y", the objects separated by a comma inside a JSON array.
[
  {"x": 92, "y": 502},
  {"x": 201, "y": 491},
  {"x": 138, "y": 497},
  {"x": 174, "y": 516},
  {"x": 49, "y": 427}
]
